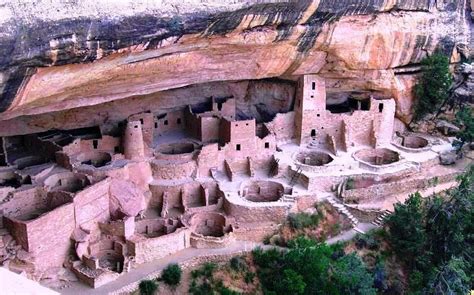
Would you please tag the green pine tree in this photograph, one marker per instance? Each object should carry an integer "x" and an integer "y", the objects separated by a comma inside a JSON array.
[{"x": 433, "y": 86}]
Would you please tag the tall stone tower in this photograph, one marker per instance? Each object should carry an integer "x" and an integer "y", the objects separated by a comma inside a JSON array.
[
  {"x": 133, "y": 144},
  {"x": 310, "y": 107}
]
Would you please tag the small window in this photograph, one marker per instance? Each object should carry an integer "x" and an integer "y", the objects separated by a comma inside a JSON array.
[
  {"x": 313, "y": 132},
  {"x": 95, "y": 143},
  {"x": 313, "y": 85},
  {"x": 318, "y": 115},
  {"x": 166, "y": 122},
  {"x": 156, "y": 124},
  {"x": 322, "y": 128},
  {"x": 141, "y": 121},
  {"x": 219, "y": 106},
  {"x": 178, "y": 121},
  {"x": 116, "y": 149},
  {"x": 246, "y": 124},
  {"x": 267, "y": 145},
  {"x": 380, "y": 107},
  {"x": 237, "y": 147},
  {"x": 135, "y": 126},
  {"x": 312, "y": 96}
]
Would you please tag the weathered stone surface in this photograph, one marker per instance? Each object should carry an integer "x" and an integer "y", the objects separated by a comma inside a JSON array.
[
  {"x": 125, "y": 199},
  {"x": 465, "y": 90},
  {"x": 446, "y": 128},
  {"x": 80, "y": 235},
  {"x": 354, "y": 45},
  {"x": 448, "y": 158}
]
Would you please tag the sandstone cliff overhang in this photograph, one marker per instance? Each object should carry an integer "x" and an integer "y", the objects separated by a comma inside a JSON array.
[{"x": 57, "y": 57}]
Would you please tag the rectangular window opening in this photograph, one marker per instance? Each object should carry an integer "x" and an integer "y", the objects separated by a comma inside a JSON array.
[
  {"x": 267, "y": 145},
  {"x": 380, "y": 107},
  {"x": 237, "y": 147},
  {"x": 166, "y": 122},
  {"x": 178, "y": 121},
  {"x": 95, "y": 144},
  {"x": 313, "y": 85}
]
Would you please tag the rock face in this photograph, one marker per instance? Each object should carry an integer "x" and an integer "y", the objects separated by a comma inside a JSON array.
[
  {"x": 465, "y": 91},
  {"x": 60, "y": 59},
  {"x": 448, "y": 158},
  {"x": 447, "y": 128},
  {"x": 126, "y": 199}
]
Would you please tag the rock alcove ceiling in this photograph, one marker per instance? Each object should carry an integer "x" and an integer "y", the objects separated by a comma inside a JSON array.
[{"x": 85, "y": 64}]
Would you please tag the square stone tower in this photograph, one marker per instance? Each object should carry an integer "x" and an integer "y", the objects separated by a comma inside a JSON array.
[{"x": 310, "y": 106}]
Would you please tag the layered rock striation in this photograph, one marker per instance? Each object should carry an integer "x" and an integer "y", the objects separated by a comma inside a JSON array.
[{"x": 58, "y": 61}]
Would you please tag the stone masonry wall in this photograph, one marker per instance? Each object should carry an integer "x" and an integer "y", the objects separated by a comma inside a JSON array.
[
  {"x": 49, "y": 236},
  {"x": 148, "y": 249},
  {"x": 23, "y": 202},
  {"x": 395, "y": 187},
  {"x": 92, "y": 205}
]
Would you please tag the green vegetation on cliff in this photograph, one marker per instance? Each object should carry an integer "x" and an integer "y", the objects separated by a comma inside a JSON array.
[
  {"x": 433, "y": 85},
  {"x": 465, "y": 120},
  {"x": 434, "y": 237}
]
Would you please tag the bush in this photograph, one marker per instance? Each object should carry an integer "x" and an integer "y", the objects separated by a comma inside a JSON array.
[
  {"x": 367, "y": 241},
  {"x": 433, "y": 86},
  {"x": 172, "y": 274},
  {"x": 291, "y": 283},
  {"x": 206, "y": 270},
  {"x": 350, "y": 184},
  {"x": 465, "y": 119},
  {"x": 147, "y": 287},
  {"x": 204, "y": 283},
  {"x": 249, "y": 277},
  {"x": 238, "y": 264},
  {"x": 267, "y": 258},
  {"x": 302, "y": 220},
  {"x": 336, "y": 229}
]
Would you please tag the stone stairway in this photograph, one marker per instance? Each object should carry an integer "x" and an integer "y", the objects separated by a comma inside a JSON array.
[
  {"x": 343, "y": 210},
  {"x": 380, "y": 220}
]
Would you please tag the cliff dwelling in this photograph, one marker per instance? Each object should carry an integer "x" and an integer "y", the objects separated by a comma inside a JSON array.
[
  {"x": 191, "y": 140},
  {"x": 201, "y": 176}
]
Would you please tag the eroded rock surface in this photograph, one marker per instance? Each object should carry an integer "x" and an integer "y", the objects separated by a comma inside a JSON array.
[
  {"x": 126, "y": 199},
  {"x": 59, "y": 60}
]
